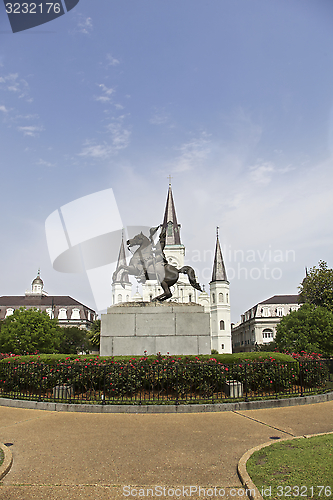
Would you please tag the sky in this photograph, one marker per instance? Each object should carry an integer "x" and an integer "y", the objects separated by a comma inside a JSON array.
[{"x": 232, "y": 98}]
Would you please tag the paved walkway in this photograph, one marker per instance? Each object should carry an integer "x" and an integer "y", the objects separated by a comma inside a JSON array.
[{"x": 62, "y": 456}]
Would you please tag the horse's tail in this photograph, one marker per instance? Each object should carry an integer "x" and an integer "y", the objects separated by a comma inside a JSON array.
[{"x": 191, "y": 276}]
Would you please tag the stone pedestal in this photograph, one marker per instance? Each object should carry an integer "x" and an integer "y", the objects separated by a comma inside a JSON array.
[{"x": 135, "y": 327}]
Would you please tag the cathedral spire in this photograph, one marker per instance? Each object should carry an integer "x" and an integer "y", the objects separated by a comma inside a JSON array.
[
  {"x": 170, "y": 223},
  {"x": 219, "y": 272},
  {"x": 122, "y": 259}
]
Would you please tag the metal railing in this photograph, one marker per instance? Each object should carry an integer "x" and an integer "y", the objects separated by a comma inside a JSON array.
[{"x": 163, "y": 382}]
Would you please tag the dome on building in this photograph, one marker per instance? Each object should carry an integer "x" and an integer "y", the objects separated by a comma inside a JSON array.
[
  {"x": 37, "y": 286},
  {"x": 38, "y": 280}
]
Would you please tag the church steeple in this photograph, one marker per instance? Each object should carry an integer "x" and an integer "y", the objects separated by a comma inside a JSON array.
[
  {"x": 219, "y": 272},
  {"x": 219, "y": 304},
  {"x": 170, "y": 223},
  {"x": 122, "y": 260}
]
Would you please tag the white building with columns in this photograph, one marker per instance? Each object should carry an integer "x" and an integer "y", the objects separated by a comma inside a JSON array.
[{"x": 217, "y": 303}]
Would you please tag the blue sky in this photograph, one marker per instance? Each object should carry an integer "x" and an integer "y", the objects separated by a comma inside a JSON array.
[{"x": 233, "y": 98}]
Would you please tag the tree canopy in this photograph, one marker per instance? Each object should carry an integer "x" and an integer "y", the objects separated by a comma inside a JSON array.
[
  {"x": 28, "y": 331},
  {"x": 308, "y": 329},
  {"x": 317, "y": 286},
  {"x": 95, "y": 333},
  {"x": 74, "y": 340}
]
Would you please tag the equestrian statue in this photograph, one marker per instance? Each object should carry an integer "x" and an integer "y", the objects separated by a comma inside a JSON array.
[{"x": 149, "y": 263}]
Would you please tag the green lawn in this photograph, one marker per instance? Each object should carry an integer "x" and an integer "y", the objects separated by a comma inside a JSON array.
[
  {"x": 295, "y": 468},
  {"x": 2, "y": 457}
]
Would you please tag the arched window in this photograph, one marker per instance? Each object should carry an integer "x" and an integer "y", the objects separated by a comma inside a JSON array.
[
  {"x": 75, "y": 314},
  {"x": 227, "y": 298},
  {"x": 220, "y": 297},
  {"x": 267, "y": 335},
  {"x": 221, "y": 324},
  {"x": 150, "y": 298},
  {"x": 190, "y": 297},
  {"x": 265, "y": 311},
  {"x": 222, "y": 347},
  {"x": 120, "y": 299},
  {"x": 50, "y": 312},
  {"x": 62, "y": 313},
  {"x": 9, "y": 312},
  {"x": 213, "y": 298}
]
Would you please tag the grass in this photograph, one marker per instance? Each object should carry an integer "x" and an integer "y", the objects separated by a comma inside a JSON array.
[
  {"x": 2, "y": 457},
  {"x": 295, "y": 468}
]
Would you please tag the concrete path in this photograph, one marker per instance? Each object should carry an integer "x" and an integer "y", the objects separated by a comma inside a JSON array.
[{"x": 62, "y": 456}]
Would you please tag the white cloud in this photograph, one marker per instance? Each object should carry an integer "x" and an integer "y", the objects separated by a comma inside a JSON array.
[
  {"x": 30, "y": 130},
  {"x": 84, "y": 25},
  {"x": 12, "y": 83},
  {"x": 193, "y": 153},
  {"x": 111, "y": 61},
  {"x": 107, "y": 92},
  {"x": 3, "y": 109},
  {"x": 102, "y": 98},
  {"x": 45, "y": 163},
  {"x": 262, "y": 172},
  {"x": 159, "y": 117},
  {"x": 105, "y": 89},
  {"x": 98, "y": 151},
  {"x": 119, "y": 138}
]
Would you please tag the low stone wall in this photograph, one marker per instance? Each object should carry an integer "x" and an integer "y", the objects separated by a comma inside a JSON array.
[{"x": 135, "y": 327}]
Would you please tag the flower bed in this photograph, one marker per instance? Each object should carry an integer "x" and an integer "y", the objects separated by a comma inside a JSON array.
[{"x": 159, "y": 378}]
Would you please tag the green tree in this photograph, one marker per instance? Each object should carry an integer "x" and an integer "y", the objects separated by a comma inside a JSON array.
[
  {"x": 308, "y": 329},
  {"x": 28, "y": 331},
  {"x": 95, "y": 333},
  {"x": 317, "y": 286},
  {"x": 74, "y": 340}
]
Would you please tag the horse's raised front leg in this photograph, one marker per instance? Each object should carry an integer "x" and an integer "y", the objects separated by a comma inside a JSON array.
[{"x": 117, "y": 275}]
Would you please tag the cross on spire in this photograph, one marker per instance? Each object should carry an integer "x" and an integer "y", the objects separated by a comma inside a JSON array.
[{"x": 170, "y": 177}]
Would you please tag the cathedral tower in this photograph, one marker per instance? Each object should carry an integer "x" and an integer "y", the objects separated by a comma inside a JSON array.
[
  {"x": 174, "y": 250},
  {"x": 120, "y": 294},
  {"x": 220, "y": 304}
]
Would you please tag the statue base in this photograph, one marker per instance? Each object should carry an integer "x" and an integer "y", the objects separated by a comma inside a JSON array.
[{"x": 133, "y": 328}]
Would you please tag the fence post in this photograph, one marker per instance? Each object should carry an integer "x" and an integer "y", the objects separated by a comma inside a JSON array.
[
  {"x": 40, "y": 382},
  {"x": 103, "y": 395},
  {"x": 276, "y": 379},
  {"x": 245, "y": 382},
  {"x": 177, "y": 386},
  {"x": 301, "y": 377}
]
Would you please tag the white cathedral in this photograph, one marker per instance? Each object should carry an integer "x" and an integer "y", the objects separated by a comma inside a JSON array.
[{"x": 217, "y": 304}]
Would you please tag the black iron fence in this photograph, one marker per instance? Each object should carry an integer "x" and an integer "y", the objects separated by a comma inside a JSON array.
[{"x": 165, "y": 381}]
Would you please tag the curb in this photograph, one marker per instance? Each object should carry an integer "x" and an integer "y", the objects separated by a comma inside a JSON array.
[
  {"x": 191, "y": 408},
  {"x": 8, "y": 460},
  {"x": 252, "y": 491}
]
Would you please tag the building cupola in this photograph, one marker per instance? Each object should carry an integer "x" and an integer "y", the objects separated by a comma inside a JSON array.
[{"x": 37, "y": 286}]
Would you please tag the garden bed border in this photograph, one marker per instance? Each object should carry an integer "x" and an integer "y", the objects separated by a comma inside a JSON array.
[{"x": 190, "y": 408}]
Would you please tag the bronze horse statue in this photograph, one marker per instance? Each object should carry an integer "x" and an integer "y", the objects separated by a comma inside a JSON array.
[{"x": 149, "y": 263}]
